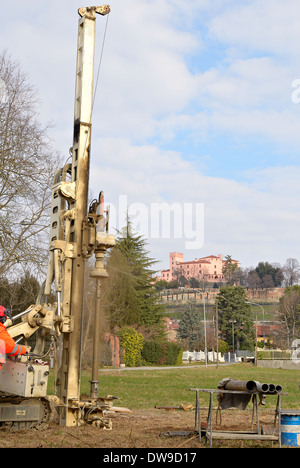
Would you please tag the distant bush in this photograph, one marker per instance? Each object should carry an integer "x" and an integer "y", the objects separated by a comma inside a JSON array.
[
  {"x": 152, "y": 352},
  {"x": 132, "y": 342},
  {"x": 162, "y": 353}
]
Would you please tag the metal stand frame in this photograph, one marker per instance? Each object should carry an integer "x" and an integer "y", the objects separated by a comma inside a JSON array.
[{"x": 231, "y": 435}]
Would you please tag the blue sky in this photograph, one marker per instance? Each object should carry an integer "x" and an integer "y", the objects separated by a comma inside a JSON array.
[{"x": 195, "y": 106}]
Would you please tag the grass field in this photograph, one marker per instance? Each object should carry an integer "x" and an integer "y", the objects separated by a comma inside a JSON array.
[{"x": 142, "y": 388}]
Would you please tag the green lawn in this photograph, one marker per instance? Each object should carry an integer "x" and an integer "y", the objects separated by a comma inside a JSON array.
[{"x": 138, "y": 389}]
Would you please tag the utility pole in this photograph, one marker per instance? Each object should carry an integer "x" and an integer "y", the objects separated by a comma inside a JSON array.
[
  {"x": 263, "y": 311},
  {"x": 217, "y": 332},
  {"x": 205, "y": 344}
]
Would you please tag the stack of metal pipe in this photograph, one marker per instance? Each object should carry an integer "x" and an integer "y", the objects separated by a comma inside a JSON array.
[{"x": 252, "y": 386}]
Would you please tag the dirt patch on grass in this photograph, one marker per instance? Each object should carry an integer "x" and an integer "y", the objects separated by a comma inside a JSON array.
[{"x": 139, "y": 429}]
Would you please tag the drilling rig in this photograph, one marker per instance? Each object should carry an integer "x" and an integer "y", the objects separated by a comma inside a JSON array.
[{"x": 77, "y": 232}]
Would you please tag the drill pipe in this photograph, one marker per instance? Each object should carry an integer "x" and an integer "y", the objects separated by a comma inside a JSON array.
[
  {"x": 262, "y": 387},
  {"x": 272, "y": 388},
  {"x": 244, "y": 385}
]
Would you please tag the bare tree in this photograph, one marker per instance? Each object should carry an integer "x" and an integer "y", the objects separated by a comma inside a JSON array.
[
  {"x": 289, "y": 311},
  {"x": 291, "y": 271},
  {"x": 27, "y": 165},
  {"x": 267, "y": 282},
  {"x": 253, "y": 280}
]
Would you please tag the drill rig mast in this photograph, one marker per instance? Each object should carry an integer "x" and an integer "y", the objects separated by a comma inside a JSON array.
[
  {"x": 76, "y": 233},
  {"x": 82, "y": 233}
]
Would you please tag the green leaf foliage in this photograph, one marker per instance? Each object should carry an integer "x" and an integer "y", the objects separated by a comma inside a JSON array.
[
  {"x": 162, "y": 353},
  {"x": 132, "y": 342},
  {"x": 235, "y": 322},
  {"x": 132, "y": 296},
  {"x": 190, "y": 330}
]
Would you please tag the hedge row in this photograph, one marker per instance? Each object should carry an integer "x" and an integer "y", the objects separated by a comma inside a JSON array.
[
  {"x": 161, "y": 353},
  {"x": 140, "y": 352}
]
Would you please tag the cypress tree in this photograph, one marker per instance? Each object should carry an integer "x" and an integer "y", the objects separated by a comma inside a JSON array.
[
  {"x": 133, "y": 300},
  {"x": 235, "y": 321},
  {"x": 190, "y": 327}
]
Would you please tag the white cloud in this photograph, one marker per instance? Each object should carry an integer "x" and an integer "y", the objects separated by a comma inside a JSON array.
[
  {"x": 257, "y": 219},
  {"x": 144, "y": 77},
  {"x": 251, "y": 83},
  {"x": 268, "y": 26},
  {"x": 149, "y": 94}
]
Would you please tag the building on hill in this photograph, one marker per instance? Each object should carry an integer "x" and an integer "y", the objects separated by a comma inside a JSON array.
[{"x": 206, "y": 269}]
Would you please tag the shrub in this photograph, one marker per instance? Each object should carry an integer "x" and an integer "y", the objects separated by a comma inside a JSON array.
[
  {"x": 132, "y": 342},
  {"x": 152, "y": 352},
  {"x": 173, "y": 354},
  {"x": 162, "y": 353}
]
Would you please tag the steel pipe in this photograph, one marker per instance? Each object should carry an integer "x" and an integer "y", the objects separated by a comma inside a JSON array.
[
  {"x": 272, "y": 388},
  {"x": 268, "y": 388},
  {"x": 243, "y": 385},
  {"x": 252, "y": 386},
  {"x": 22, "y": 313},
  {"x": 262, "y": 387}
]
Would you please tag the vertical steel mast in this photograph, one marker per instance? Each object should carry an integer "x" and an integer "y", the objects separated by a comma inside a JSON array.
[{"x": 76, "y": 249}]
